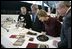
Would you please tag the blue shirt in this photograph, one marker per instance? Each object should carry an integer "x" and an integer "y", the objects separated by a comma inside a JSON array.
[{"x": 33, "y": 17}]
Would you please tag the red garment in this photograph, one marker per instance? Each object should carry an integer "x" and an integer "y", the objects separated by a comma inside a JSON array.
[{"x": 52, "y": 27}]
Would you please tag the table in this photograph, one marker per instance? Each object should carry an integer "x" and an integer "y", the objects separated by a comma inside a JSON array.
[{"x": 8, "y": 42}]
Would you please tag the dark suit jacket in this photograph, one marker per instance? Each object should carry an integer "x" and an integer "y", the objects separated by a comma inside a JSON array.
[
  {"x": 66, "y": 32},
  {"x": 37, "y": 25},
  {"x": 27, "y": 19},
  {"x": 52, "y": 27}
]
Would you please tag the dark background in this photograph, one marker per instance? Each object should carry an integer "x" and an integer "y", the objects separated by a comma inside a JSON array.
[{"x": 13, "y": 7}]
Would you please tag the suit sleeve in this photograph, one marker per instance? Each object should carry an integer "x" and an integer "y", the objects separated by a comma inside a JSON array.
[
  {"x": 18, "y": 18},
  {"x": 69, "y": 37},
  {"x": 62, "y": 43},
  {"x": 65, "y": 33}
]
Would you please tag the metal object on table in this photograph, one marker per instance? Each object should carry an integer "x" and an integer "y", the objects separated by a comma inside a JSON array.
[
  {"x": 31, "y": 33},
  {"x": 42, "y": 38},
  {"x": 5, "y": 28},
  {"x": 6, "y": 23},
  {"x": 20, "y": 24},
  {"x": 43, "y": 46}
]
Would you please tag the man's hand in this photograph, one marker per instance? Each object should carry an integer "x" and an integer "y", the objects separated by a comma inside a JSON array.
[{"x": 55, "y": 43}]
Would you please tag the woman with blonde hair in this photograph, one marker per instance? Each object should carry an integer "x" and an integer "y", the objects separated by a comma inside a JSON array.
[{"x": 52, "y": 26}]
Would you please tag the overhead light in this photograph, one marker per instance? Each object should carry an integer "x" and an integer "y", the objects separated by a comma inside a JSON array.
[{"x": 35, "y": 2}]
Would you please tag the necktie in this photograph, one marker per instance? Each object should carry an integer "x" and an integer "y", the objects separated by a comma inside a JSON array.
[{"x": 33, "y": 18}]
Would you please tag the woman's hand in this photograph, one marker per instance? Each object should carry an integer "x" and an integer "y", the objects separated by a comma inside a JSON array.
[{"x": 43, "y": 33}]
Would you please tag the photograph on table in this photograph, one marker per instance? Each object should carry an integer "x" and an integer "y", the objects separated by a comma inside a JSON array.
[{"x": 19, "y": 42}]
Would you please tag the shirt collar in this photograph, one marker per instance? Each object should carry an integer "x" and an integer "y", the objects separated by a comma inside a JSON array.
[{"x": 68, "y": 10}]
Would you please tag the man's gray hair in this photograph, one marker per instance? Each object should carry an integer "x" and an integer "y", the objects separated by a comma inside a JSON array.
[
  {"x": 35, "y": 6},
  {"x": 64, "y": 3}
]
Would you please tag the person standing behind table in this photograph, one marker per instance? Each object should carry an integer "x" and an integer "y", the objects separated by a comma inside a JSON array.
[
  {"x": 36, "y": 25},
  {"x": 24, "y": 17},
  {"x": 64, "y": 9},
  {"x": 52, "y": 26}
]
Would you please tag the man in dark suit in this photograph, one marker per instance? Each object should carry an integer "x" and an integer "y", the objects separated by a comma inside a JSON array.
[
  {"x": 35, "y": 23},
  {"x": 64, "y": 9},
  {"x": 24, "y": 17}
]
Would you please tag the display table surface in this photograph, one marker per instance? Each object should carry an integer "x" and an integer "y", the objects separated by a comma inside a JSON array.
[{"x": 8, "y": 42}]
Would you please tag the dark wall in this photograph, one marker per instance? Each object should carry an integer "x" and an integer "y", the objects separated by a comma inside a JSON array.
[{"x": 14, "y": 6}]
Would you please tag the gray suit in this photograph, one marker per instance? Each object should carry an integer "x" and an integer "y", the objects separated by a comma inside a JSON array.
[{"x": 66, "y": 32}]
